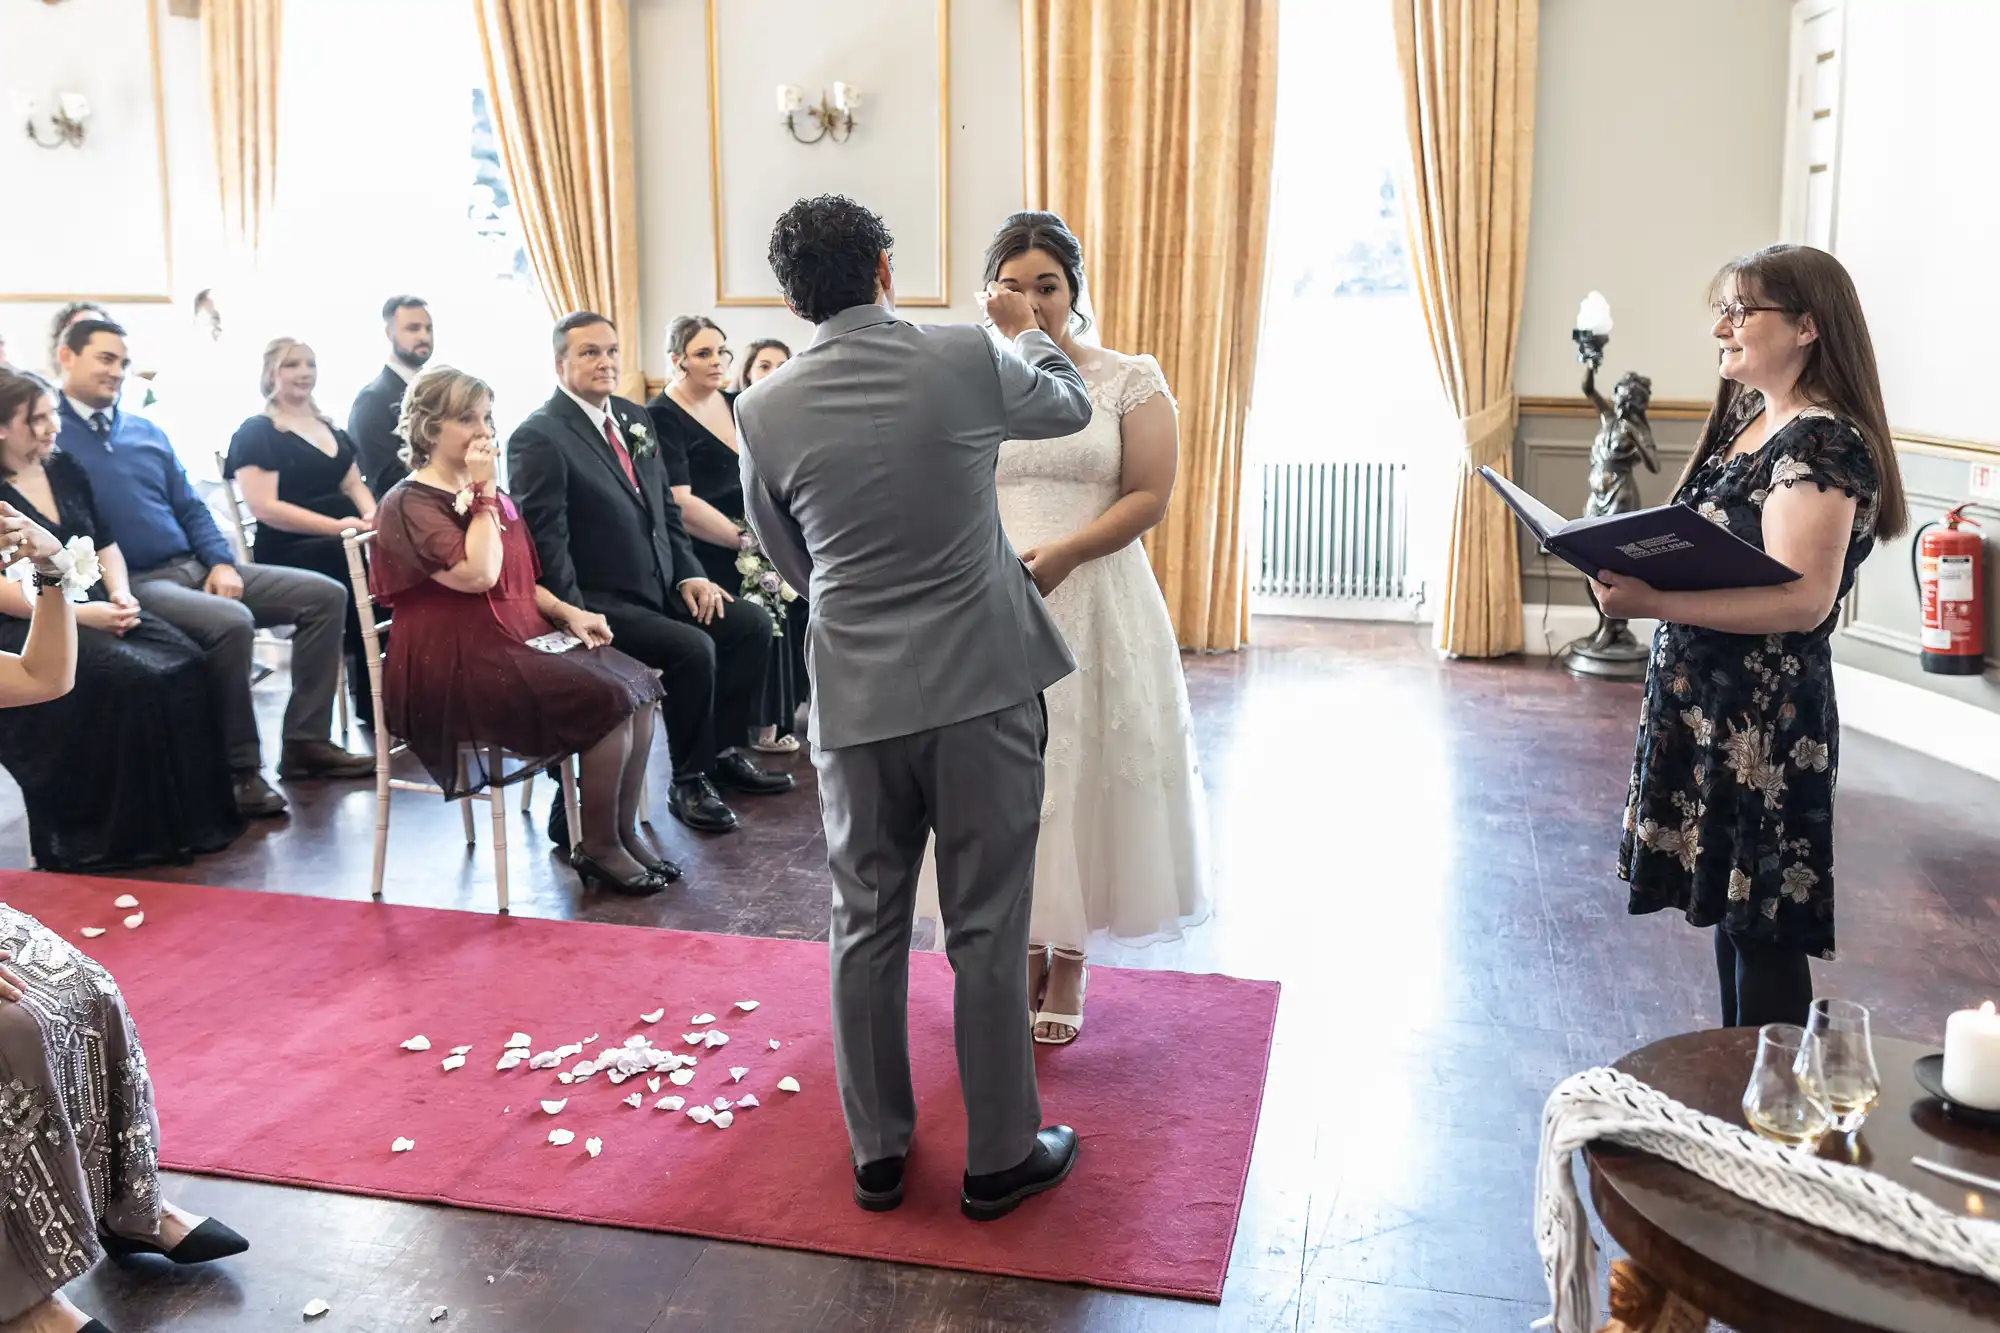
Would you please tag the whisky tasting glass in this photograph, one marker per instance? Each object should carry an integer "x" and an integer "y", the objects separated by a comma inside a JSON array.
[
  {"x": 1784, "y": 1100},
  {"x": 1851, "y": 1084}
]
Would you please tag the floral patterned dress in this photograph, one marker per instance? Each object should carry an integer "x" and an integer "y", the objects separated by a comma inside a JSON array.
[{"x": 1729, "y": 817}]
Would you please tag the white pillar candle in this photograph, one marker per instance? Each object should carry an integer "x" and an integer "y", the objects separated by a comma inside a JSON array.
[{"x": 1972, "y": 1057}]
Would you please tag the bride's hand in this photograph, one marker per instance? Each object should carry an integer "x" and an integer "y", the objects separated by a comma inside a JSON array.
[{"x": 1049, "y": 566}]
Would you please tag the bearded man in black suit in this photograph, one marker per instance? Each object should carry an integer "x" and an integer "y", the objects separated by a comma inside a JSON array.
[
  {"x": 371, "y": 422},
  {"x": 586, "y": 473}
]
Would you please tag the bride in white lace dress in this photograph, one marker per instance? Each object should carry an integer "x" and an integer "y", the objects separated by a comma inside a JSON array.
[{"x": 1124, "y": 820}]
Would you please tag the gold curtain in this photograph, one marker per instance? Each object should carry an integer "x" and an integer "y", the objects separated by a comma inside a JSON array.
[
  {"x": 1149, "y": 130},
  {"x": 559, "y": 75},
  {"x": 240, "y": 47},
  {"x": 1469, "y": 100}
]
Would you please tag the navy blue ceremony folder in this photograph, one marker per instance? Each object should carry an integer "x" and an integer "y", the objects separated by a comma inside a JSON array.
[{"x": 1672, "y": 547}]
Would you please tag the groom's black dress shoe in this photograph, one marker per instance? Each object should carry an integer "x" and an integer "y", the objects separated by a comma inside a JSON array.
[
  {"x": 695, "y": 803},
  {"x": 736, "y": 772},
  {"x": 878, "y": 1186},
  {"x": 987, "y": 1197},
  {"x": 210, "y": 1240}
]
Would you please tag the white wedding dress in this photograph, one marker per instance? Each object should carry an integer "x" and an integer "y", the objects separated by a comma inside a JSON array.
[{"x": 1124, "y": 820}]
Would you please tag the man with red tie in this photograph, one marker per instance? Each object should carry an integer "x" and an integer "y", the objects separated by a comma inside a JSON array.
[{"x": 586, "y": 473}]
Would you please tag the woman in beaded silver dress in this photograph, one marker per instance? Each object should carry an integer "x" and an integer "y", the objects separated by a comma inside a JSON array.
[{"x": 78, "y": 1161}]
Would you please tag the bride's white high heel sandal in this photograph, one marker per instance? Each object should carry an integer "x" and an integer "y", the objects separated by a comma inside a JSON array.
[{"x": 1074, "y": 1022}]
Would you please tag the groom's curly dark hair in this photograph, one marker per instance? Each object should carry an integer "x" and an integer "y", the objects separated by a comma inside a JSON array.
[{"x": 823, "y": 252}]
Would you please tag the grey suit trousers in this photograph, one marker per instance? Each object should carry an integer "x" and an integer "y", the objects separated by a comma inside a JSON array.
[{"x": 978, "y": 784}]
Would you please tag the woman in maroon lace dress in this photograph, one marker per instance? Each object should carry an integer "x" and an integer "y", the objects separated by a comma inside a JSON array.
[{"x": 482, "y": 656}]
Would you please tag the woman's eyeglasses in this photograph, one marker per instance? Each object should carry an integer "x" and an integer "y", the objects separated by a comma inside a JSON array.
[{"x": 1736, "y": 312}]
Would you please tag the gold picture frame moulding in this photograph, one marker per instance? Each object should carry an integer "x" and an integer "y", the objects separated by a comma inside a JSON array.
[
  {"x": 943, "y": 298},
  {"x": 166, "y": 200}
]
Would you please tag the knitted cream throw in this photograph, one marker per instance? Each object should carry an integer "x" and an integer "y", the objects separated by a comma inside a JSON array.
[{"x": 1604, "y": 1104}]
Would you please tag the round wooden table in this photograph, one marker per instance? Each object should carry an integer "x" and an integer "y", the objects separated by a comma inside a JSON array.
[{"x": 1763, "y": 1272}]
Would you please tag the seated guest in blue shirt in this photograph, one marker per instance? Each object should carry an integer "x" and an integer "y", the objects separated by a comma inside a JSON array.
[{"x": 184, "y": 572}]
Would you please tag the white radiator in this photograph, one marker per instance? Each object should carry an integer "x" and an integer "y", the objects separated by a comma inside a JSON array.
[{"x": 1332, "y": 533}]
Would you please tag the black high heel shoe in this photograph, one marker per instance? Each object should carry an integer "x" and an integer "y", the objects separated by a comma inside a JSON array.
[
  {"x": 643, "y": 885},
  {"x": 209, "y": 1241},
  {"x": 662, "y": 867}
]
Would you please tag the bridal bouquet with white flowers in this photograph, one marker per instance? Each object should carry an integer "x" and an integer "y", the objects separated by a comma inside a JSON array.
[{"x": 762, "y": 584}]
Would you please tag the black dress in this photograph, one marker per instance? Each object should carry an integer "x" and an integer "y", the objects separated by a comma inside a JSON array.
[
  {"x": 310, "y": 479},
  {"x": 695, "y": 458},
  {"x": 128, "y": 768},
  {"x": 1729, "y": 817}
]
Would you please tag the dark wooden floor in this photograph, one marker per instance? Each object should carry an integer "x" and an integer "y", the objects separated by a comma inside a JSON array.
[{"x": 1420, "y": 852}]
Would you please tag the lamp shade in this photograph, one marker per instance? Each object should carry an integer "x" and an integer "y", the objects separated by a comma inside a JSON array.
[{"x": 1594, "y": 315}]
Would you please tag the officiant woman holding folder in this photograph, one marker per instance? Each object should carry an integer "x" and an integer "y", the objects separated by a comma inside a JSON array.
[{"x": 1729, "y": 817}]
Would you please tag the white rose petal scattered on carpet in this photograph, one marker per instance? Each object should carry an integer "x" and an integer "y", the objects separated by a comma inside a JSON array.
[
  {"x": 653, "y": 1083},
  {"x": 680, "y": 1078},
  {"x": 724, "y": 1119},
  {"x": 438, "y": 1312},
  {"x": 562, "y": 1138},
  {"x": 520, "y": 1041},
  {"x": 788, "y": 1084},
  {"x": 693, "y": 1038},
  {"x": 565, "y": 1052},
  {"x": 316, "y": 1308},
  {"x": 721, "y": 1103},
  {"x": 669, "y": 1104},
  {"x": 460, "y": 1050},
  {"x": 584, "y": 1070},
  {"x": 511, "y": 1060},
  {"x": 736, "y": 1073},
  {"x": 699, "y": 1019},
  {"x": 635, "y": 1042},
  {"x": 701, "y": 1115},
  {"x": 747, "y": 1099},
  {"x": 653, "y": 1017},
  {"x": 134, "y": 921},
  {"x": 126, "y": 901},
  {"x": 555, "y": 1108},
  {"x": 774, "y": 1043},
  {"x": 564, "y": 1078},
  {"x": 715, "y": 1038},
  {"x": 452, "y": 1062},
  {"x": 593, "y": 1146},
  {"x": 747, "y": 1005},
  {"x": 92, "y": 932},
  {"x": 634, "y": 1100},
  {"x": 418, "y": 1043},
  {"x": 546, "y": 1060},
  {"x": 402, "y": 1145}
]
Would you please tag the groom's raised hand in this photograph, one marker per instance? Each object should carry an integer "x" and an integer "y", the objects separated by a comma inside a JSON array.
[{"x": 1010, "y": 312}]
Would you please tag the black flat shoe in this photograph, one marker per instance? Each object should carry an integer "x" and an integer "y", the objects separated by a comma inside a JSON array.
[
  {"x": 735, "y": 771},
  {"x": 987, "y": 1197},
  {"x": 644, "y": 885},
  {"x": 694, "y": 802},
  {"x": 209, "y": 1241},
  {"x": 878, "y": 1186}
]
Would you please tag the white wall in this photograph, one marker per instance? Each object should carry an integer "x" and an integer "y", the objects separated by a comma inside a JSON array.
[
  {"x": 1918, "y": 205},
  {"x": 113, "y": 247},
  {"x": 1659, "y": 145},
  {"x": 670, "y": 57}
]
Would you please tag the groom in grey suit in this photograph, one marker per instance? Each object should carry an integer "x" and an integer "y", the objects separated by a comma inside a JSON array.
[{"x": 868, "y": 466}]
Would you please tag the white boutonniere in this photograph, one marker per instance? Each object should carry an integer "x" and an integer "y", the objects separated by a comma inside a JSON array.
[{"x": 642, "y": 440}]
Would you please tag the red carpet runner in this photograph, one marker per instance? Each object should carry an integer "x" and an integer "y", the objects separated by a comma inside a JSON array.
[{"x": 272, "y": 1025}]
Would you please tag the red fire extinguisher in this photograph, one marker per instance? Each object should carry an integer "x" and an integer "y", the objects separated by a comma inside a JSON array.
[{"x": 1947, "y": 563}]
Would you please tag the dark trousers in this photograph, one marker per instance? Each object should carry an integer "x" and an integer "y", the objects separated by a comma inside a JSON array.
[
  {"x": 714, "y": 673},
  {"x": 1761, "y": 983}
]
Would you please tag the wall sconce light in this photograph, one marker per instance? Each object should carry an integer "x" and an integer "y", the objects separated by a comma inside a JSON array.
[
  {"x": 834, "y": 117},
  {"x": 65, "y": 120}
]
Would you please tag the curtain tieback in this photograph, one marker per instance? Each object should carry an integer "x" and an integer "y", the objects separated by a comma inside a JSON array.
[{"x": 1489, "y": 433}]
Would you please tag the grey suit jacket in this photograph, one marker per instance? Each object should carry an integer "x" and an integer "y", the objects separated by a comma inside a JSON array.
[{"x": 868, "y": 464}]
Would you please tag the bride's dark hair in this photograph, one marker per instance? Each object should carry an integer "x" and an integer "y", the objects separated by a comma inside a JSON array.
[{"x": 1048, "y": 233}]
